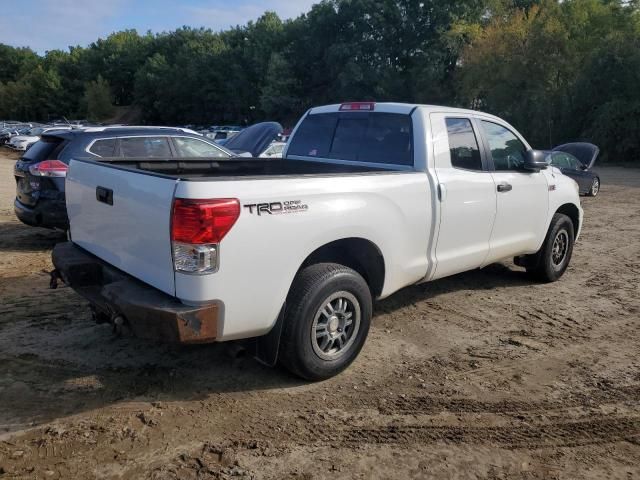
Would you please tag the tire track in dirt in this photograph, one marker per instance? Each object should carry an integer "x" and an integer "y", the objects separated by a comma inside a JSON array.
[
  {"x": 566, "y": 434},
  {"x": 432, "y": 405}
]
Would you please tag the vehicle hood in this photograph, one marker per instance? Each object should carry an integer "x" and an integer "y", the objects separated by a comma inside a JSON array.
[
  {"x": 587, "y": 153},
  {"x": 255, "y": 139}
]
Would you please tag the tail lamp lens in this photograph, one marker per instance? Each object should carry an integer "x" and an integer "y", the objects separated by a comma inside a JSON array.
[
  {"x": 49, "y": 168},
  {"x": 358, "y": 107},
  {"x": 197, "y": 228}
]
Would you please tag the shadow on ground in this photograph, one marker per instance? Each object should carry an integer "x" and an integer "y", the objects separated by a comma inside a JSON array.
[
  {"x": 16, "y": 237},
  {"x": 55, "y": 362}
]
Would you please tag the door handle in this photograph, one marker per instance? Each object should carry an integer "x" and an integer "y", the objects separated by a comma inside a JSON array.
[
  {"x": 505, "y": 187},
  {"x": 104, "y": 195},
  {"x": 442, "y": 192}
]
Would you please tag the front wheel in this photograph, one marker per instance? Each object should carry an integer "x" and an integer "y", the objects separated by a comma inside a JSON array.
[
  {"x": 595, "y": 188},
  {"x": 327, "y": 319},
  {"x": 553, "y": 259}
]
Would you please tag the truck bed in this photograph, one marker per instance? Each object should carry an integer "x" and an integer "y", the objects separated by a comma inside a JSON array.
[
  {"x": 121, "y": 209},
  {"x": 199, "y": 169}
]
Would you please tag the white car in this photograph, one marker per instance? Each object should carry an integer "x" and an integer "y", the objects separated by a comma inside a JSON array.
[
  {"x": 23, "y": 142},
  {"x": 274, "y": 150},
  {"x": 369, "y": 198}
]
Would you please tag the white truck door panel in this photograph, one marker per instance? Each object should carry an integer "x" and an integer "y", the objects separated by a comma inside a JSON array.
[
  {"x": 522, "y": 197},
  {"x": 467, "y": 207},
  {"x": 521, "y": 220},
  {"x": 133, "y": 232}
]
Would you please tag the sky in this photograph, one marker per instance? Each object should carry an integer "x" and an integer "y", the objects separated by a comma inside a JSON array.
[{"x": 57, "y": 24}]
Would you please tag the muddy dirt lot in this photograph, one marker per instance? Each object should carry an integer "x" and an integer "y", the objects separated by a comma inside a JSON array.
[{"x": 484, "y": 375}]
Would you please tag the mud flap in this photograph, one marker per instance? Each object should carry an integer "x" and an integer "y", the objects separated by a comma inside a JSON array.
[
  {"x": 54, "y": 278},
  {"x": 266, "y": 347}
]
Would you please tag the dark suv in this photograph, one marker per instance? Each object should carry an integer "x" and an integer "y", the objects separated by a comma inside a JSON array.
[{"x": 40, "y": 173}]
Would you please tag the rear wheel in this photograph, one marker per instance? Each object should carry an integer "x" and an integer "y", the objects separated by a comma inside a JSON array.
[
  {"x": 595, "y": 187},
  {"x": 326, "y": 322},
  {"x": 553, "y": 259}
]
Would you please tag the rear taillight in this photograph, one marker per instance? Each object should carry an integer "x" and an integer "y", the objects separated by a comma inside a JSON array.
[
  {"x": 197, "y": 228},
  {"x": 49, "y": 168}
]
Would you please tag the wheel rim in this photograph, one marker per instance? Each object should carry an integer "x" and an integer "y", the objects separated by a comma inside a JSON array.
[
  {"x": 595, "y": 188},
  {"x": 560, "y": 248},
  {"x": 335, "y": 325}
]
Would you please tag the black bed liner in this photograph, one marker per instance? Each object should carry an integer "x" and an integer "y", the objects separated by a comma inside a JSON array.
[{"x": 197, "y": 168}]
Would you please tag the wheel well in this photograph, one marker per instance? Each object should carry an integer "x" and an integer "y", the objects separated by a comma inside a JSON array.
[
  {"x": 359, "y": 254},
  {"x": 571, "y": 211}
]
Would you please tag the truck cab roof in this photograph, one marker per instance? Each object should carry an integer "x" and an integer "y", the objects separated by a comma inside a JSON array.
[{"x": 394, "y": 107}]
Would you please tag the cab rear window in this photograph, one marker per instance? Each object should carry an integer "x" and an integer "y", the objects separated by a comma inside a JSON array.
[{"x": 371, "y": 137}]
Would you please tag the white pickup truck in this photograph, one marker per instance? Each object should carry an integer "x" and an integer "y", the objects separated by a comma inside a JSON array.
[{"x": 369, "y": 198}]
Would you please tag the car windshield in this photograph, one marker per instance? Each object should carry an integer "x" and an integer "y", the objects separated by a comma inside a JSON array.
[{"x": 36, "y": 131}]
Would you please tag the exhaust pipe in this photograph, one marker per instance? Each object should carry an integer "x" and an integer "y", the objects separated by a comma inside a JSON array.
[
  {"x": 118, "y": 322},
  {"x": 236, "y": 350}
]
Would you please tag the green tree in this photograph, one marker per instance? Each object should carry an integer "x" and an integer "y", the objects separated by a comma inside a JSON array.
[
  {"x": 98, "y": 99},
  {"x": 525, "y": 66},
  {"x": 558, "y": 70},
  {"x": 15, "y": 62},
  {"x": 280, "y": 96},
  {"x": 117, "y": 58}
]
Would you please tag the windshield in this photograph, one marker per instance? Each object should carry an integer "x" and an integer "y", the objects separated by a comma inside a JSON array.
[{"x": 36, "y": 131}]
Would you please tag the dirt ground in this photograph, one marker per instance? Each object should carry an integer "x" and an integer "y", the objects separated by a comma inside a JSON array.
[{"x": 484, "y": 375}]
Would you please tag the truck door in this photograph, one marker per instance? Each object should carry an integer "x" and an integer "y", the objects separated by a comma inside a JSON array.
[
  {"x": 466, "y": 193},
  {"x": 522, "y": 197}
]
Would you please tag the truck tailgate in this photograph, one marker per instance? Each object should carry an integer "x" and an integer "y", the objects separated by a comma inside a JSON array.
[{"x": 124, "y": 218}]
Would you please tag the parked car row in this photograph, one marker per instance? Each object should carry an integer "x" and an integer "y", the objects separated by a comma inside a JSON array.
[
  {"x": 21, "y": 136},
  {"x": 10, "y": 130},
  {"x": 219, "y": 133}
]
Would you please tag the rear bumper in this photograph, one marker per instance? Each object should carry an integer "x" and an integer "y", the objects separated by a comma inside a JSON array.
[
  {"x": 150, "y": 313},
  {"x": 47, "y": 213}
]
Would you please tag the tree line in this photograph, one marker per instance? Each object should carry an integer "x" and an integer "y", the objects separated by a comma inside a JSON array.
[{"x": 558, "y": 70}]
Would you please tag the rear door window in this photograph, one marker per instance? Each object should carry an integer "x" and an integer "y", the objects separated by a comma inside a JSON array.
[
  {"x": 104, "y": 148},
  {"x": 364, "y": 137},
  {"x": 145, "y": 147},
  {"x": 463, "y": 144}
]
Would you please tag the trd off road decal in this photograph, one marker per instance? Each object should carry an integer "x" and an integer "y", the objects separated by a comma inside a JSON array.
[{"x": 277, "y": 208}]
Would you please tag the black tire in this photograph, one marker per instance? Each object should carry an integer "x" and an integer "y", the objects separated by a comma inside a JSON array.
[
  {"x": 312, "y": 290},
  {"x": 553, "y": 259},
  {"x": 595, "y": 188}
]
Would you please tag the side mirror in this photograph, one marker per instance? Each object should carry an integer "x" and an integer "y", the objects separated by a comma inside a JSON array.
[{"x": 535, "y": 160}]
